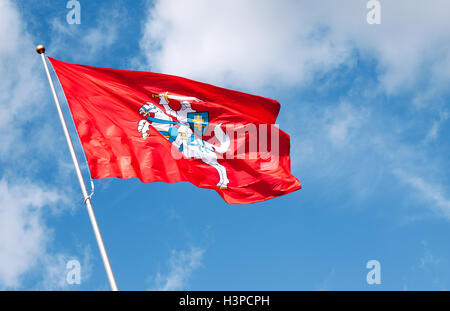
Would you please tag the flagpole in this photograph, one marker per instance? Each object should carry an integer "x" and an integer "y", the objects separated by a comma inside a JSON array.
[{"x": 87, "y": 199}]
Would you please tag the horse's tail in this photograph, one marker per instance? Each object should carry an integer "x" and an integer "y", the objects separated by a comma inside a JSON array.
[{"x": 223, "y": 138}]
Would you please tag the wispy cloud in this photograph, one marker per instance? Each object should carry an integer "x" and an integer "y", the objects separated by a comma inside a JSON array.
[
  {"x": 431, "y": 193},
  {"x": 325, "y": 139},
  {"x": 362, "y": 150},
  {"x": 428, "y": 258},
  {"x": 343, "y": 121},
  {"x": 181, "y": 265},
  {"x": 434, "y": 130}
]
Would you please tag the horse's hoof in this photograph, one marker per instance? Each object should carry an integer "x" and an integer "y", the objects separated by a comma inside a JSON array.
[{"x": 223, "y": 187}]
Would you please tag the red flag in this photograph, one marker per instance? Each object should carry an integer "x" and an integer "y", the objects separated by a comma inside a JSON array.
[{"x": 165, "y": 128}]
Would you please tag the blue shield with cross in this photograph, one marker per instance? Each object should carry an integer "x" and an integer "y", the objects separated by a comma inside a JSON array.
[{"x": 198, "y": 121}]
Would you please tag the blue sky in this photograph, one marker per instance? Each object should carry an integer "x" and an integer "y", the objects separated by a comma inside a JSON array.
[{"x": 366, "y": 107}]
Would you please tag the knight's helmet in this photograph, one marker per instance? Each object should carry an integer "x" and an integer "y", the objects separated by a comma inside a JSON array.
[{"x": 185, "y": 105}]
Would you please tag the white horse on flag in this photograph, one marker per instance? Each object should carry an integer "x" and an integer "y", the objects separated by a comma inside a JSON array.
[{"x": 182, "y": 132}]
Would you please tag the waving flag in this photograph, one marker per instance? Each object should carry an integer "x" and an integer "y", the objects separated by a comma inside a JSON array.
[{"x": 159, "y": 127}]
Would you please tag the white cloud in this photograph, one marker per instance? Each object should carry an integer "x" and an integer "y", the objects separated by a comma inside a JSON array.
[
  {"x": 245, "y": 43},
  {"x": 20, "y": 86},
  {"x": 23, "y": 234},
  {"x": 181, "y": 266},
  {"x": 253, "y": 43},
  {"x": 409, "y": 37}
]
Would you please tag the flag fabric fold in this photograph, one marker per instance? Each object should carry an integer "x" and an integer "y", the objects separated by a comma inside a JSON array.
[{"x": 159, "y": 127}]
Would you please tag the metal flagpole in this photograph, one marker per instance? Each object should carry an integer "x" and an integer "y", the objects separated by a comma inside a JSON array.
[{"x": 87, "y": 200}]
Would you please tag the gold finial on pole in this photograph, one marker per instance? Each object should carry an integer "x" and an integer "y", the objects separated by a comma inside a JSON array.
[{"x": 40, "y": 49}]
